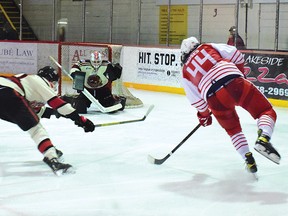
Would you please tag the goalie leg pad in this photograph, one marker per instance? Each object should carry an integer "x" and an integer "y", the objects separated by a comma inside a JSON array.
[{"x": 121, "y": 100}]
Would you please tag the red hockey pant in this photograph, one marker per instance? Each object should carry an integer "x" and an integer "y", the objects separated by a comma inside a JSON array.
[{"x": 239, "y": 92}]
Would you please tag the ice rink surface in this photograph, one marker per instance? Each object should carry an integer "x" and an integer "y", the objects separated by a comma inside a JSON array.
[{"x": 204, "y": 177}]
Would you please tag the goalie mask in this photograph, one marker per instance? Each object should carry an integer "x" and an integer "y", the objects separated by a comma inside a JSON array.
[
  {"x": 188, "y": 45},
  {"x": 51, "y": 75},
  {"x": 96, "y": 59}
]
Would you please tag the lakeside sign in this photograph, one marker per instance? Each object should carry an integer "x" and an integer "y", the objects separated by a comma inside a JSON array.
[{"x": 268, "y": 72}]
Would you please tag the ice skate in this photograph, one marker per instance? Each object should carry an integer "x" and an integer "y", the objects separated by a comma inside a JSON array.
[
  {"x": 251, "y": 166},
  {"x": 57, "y": 167},
  {"x": 60, "y": 155},
  {"x": 264, "y": 147},
  {"x": 250, "y": 163}
]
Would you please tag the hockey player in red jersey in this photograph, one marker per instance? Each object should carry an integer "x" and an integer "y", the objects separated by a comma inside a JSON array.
[
  {"x": 214, "y": 82},
  {"x": 19, "y": 94}
]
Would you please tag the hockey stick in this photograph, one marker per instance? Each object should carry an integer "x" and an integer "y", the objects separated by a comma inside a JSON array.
[
  {"x": 161, "y": 161},
  {"x": 88, "y": 95},
  {"x": 127, "y": 121}
]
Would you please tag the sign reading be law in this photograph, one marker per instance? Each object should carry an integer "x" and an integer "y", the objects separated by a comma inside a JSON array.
[{"x": 268, "y": 71}]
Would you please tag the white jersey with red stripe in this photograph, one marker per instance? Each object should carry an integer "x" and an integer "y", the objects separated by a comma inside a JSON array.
[
  {"x": 205, "y": 66},
  {"x": 91, "y": 73},
  {"x": 37, "y": 89}
]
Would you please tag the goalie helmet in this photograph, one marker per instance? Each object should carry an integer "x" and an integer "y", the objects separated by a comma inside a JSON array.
[
  {"x": 48, "y": 73},
  {"x": 96, "y": 59}
]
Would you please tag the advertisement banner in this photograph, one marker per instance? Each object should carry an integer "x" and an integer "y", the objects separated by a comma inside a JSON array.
[
  {"x": 15, "y": 58},
  {"x": 177, "y": 25},
  {"x": 77, "y": 53},
  {"x": 159, "y": 66},
  {"x": 268, "y": 72}
]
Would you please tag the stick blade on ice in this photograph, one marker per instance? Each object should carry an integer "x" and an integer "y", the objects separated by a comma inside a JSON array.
[{"x": 151, "y": 159}]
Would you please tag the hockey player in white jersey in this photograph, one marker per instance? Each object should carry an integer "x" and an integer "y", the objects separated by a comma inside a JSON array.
[
  {"x": 18, "y": 96},
  {"x": 98, "y": 77}
]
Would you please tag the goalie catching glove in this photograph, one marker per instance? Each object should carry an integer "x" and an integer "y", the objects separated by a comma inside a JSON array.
[
  {"x": 85, "y": 123},
  {"x": 205, "y": 119}
]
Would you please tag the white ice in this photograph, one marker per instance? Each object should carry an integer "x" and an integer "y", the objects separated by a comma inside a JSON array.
[{"x": 204, "y": 177}]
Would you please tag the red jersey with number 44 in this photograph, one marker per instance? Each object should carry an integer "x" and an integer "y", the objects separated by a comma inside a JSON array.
[{"x": 206, "y": 65}]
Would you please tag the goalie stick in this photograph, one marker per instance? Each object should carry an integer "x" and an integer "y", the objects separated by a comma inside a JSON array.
[
  {"x": 161, "y": 161},
  {"x": 88, "y": 95},
  {"x": 127, "y": 121}
]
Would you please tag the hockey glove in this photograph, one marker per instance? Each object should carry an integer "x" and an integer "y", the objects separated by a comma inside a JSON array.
[
  {"x": 48, "y": 112},
  {"x": 85, "y": 123},
  {"x": 204, "y": 120},
  {"x": 113, "y": 72}
]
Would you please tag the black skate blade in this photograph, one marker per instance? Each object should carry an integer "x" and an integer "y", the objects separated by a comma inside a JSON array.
[
  {"x": 67, "y": 171},
  {"x": 265, "y": 155},
  {"x": 252, "y": 174},
  {"x": 255, "y": 176}
]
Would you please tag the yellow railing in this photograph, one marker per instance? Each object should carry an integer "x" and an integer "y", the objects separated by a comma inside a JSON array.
[{"x": 7, "y": 17}]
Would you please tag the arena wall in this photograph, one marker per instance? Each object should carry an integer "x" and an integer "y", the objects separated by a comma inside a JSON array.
[{"x": 148, "y": 68}]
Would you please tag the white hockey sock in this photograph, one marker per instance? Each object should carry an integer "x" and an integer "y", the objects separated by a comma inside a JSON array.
[
  {"x": 266, "y": 124},
  {"x": 240, "y": 144},
  {"x": 38, "y": 133},
  {"x": 50, "y": 153}
]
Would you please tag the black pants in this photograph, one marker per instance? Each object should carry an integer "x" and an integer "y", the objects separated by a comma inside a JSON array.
[
  {"x": 103, "y": 95},
  {"x": 15, "y": 108}
]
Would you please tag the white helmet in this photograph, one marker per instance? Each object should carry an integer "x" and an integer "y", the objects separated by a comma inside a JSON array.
[
  {"x": 188, "y": 44},
  {"x": 96, "y": 59}
]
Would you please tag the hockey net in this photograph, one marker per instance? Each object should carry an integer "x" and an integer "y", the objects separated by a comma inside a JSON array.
[{"x": 69, "y": 53}]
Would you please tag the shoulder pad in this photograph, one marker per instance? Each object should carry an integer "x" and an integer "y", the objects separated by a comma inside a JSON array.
[
  {"x": 105, "y": 63},
  {"x": 85, "y": 63}
]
